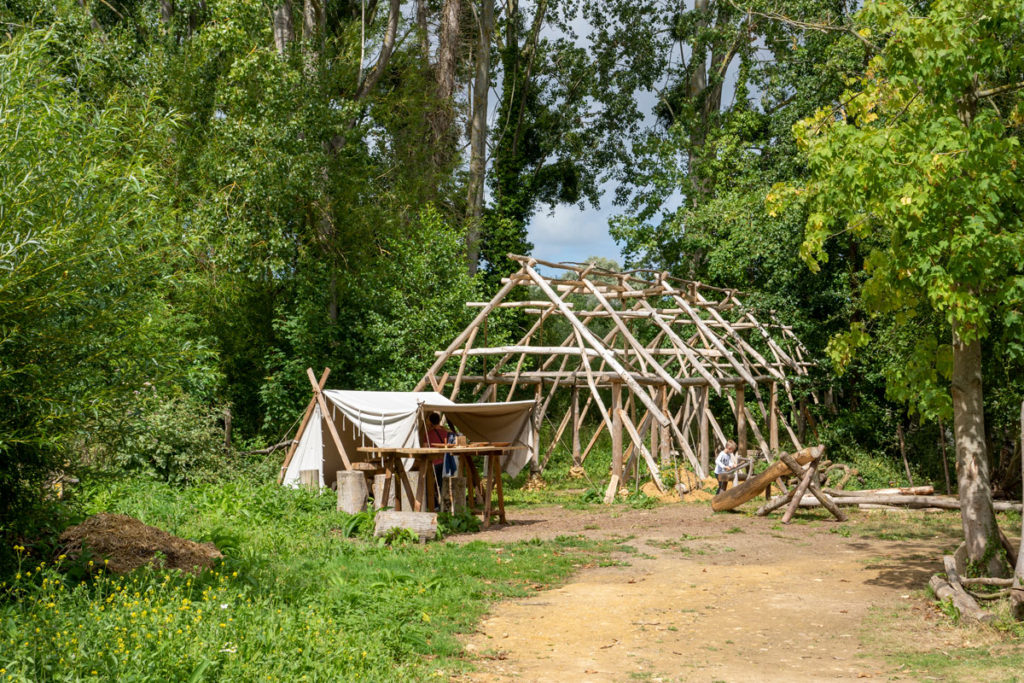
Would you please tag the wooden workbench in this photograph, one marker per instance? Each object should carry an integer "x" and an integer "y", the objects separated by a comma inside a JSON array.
[{"x": 423, "y": 497}]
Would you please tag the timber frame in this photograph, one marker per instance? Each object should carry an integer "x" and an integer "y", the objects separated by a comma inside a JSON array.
[{"x": 668, "y": 342}]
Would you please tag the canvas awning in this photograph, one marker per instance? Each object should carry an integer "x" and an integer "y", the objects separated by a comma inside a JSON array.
[{"x": 395, "y": 419}]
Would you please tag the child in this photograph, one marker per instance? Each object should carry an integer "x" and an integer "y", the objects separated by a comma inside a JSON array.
[{"x": 723, "y": 463}]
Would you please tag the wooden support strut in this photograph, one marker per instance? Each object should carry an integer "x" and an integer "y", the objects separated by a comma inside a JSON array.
[
  {"x": 327, "y": 418},
  {"x": 302, "y": 425}
]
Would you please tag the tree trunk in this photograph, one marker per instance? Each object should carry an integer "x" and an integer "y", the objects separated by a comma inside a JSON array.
[
  {"x": 284, "y": 31},
  {"x": 981, "y": 532},
  {"x": 1017, "y": 592},
  {"x": 478, "y": 134},
  {"x": 447, "y": 60},
  {"x": 387, "y": 47}
]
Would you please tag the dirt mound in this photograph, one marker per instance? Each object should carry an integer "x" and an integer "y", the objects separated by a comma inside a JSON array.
[
  {"x": 127, "y": 544},
  {"x": 650, "y": 490}
]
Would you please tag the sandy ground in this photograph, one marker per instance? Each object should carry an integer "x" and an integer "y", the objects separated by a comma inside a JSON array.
[{"x": 714, "y": 597}]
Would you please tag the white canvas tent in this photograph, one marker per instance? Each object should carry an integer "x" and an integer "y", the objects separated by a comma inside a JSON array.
[{"x": 396, "y": 419}]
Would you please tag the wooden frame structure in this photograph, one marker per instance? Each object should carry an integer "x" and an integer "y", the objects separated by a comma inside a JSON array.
[{"x": 667, "y": 342}]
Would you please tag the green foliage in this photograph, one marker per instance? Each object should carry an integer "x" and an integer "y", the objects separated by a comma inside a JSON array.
[
  {"x": 89, "y": 254},
  {"x": 291, "y": 599},
  {"x": 464, "y": 522},
  {"x": 921, "y": 166}
]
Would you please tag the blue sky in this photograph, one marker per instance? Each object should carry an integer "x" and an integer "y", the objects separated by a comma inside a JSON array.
[{"x": 570, "y": 233}]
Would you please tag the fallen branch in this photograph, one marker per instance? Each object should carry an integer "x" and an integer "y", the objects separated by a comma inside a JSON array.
[{"x": 270, "y": 449}]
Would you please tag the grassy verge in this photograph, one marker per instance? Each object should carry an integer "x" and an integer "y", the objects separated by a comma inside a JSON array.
[{"x": 292, "y": 600}]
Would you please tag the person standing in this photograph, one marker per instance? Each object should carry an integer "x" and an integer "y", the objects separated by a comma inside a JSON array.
[
  {"x": 437, "y": 436},
  {"x": 723, "y": 463}
]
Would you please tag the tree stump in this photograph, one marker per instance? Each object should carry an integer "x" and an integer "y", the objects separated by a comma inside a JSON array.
[
  {"x": 352, "y": 491},
  {"x": 310, "y": 479}
]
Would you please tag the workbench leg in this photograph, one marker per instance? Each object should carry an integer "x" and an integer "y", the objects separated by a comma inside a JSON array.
[
  {"x": 487, "y": 494},
  {"x": 501, "y": 492},
  {"x": 421, "y": 487},
  {"x": 385, "y": 490}
]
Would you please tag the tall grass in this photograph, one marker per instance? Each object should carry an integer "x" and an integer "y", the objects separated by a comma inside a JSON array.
[{"x": 292, "y": 600}]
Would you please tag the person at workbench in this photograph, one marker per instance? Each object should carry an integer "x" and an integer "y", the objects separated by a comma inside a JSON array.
[
  {"x": 724, "y": 463},
  {"x": 437, "y": 436}
]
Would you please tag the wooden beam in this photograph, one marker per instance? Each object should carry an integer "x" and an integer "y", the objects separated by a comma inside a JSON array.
[
  {"x": 616, "y": 430},
  {"x": 458, "y": 341},
  {"x": 302, "y": 425},
  {"x": 638, "y": 442},
  {"x": 327, "y": 418}
]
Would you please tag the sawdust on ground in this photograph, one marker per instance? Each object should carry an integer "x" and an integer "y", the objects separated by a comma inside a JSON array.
[
  {"x": 127, "y": 544},
  {"x": 715, "y": 597}
]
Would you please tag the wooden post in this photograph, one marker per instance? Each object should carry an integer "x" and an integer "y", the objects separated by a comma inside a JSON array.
[
  {"x": 454, "y": 495},
  {"x": 705, "y": 442},
  {"x": 352, "y": 491},
  {"x": 656, "y": 432},
  {"x": 538, "y": 416},
  {"x": 741, "y": 422},
  {"x": 227, "y": 429},
  {"x": 773, "y": 419},
  {"x": 327, "y": 418},
  {"x": 575, "y": 424},
  {"x": 617, "y": 430},
  {"x": 310, "y": 479},
  {"x": 666, "y": 455}
]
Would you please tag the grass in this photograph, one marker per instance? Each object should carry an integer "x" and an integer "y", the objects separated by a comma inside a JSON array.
[{"x": 292, "y": 600}]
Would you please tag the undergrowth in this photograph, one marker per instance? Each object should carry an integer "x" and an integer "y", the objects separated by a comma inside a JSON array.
[{"x": 303, "y": 592}]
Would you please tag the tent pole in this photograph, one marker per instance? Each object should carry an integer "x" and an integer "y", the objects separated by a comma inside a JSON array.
[{"x": 302, "y": 425}]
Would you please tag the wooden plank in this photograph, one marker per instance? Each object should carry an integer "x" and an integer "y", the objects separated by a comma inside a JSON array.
[
  {"x": 462, "y": 364},
  {"x": 616, "y": 429},
  {"x": 302, "y": 425}
]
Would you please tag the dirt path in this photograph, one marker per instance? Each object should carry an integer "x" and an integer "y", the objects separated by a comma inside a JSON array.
[{"x": 714, "y": 597}]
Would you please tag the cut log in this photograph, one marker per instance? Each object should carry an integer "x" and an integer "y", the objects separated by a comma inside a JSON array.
[
  {"x": 944, "y": 502},
  {"x": 751, "y": 488},
  {"x": 310, "y": 479},
  {"x": 967, "y": 606},
  {"x": 423, "y": 524},
  {"x": 352, "y": 493},
  {"x": 775, "y": 503},
  {"x": 905, "y": 491}
]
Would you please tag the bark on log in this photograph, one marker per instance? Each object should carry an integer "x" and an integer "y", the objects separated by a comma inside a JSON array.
[
  {"x": 906, "y": 491},
  {"x": 423, "y": 524},
  {"x": 943, "y": 502},
  {"x": 775, "y": 503},
  {"x": 352, "y": 491},
  {"x": 751, "y": 488},
  {"x": 965, "y": 604}
]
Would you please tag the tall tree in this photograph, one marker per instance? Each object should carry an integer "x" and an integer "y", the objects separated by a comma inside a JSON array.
[{"x": 922, "y": 162}]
